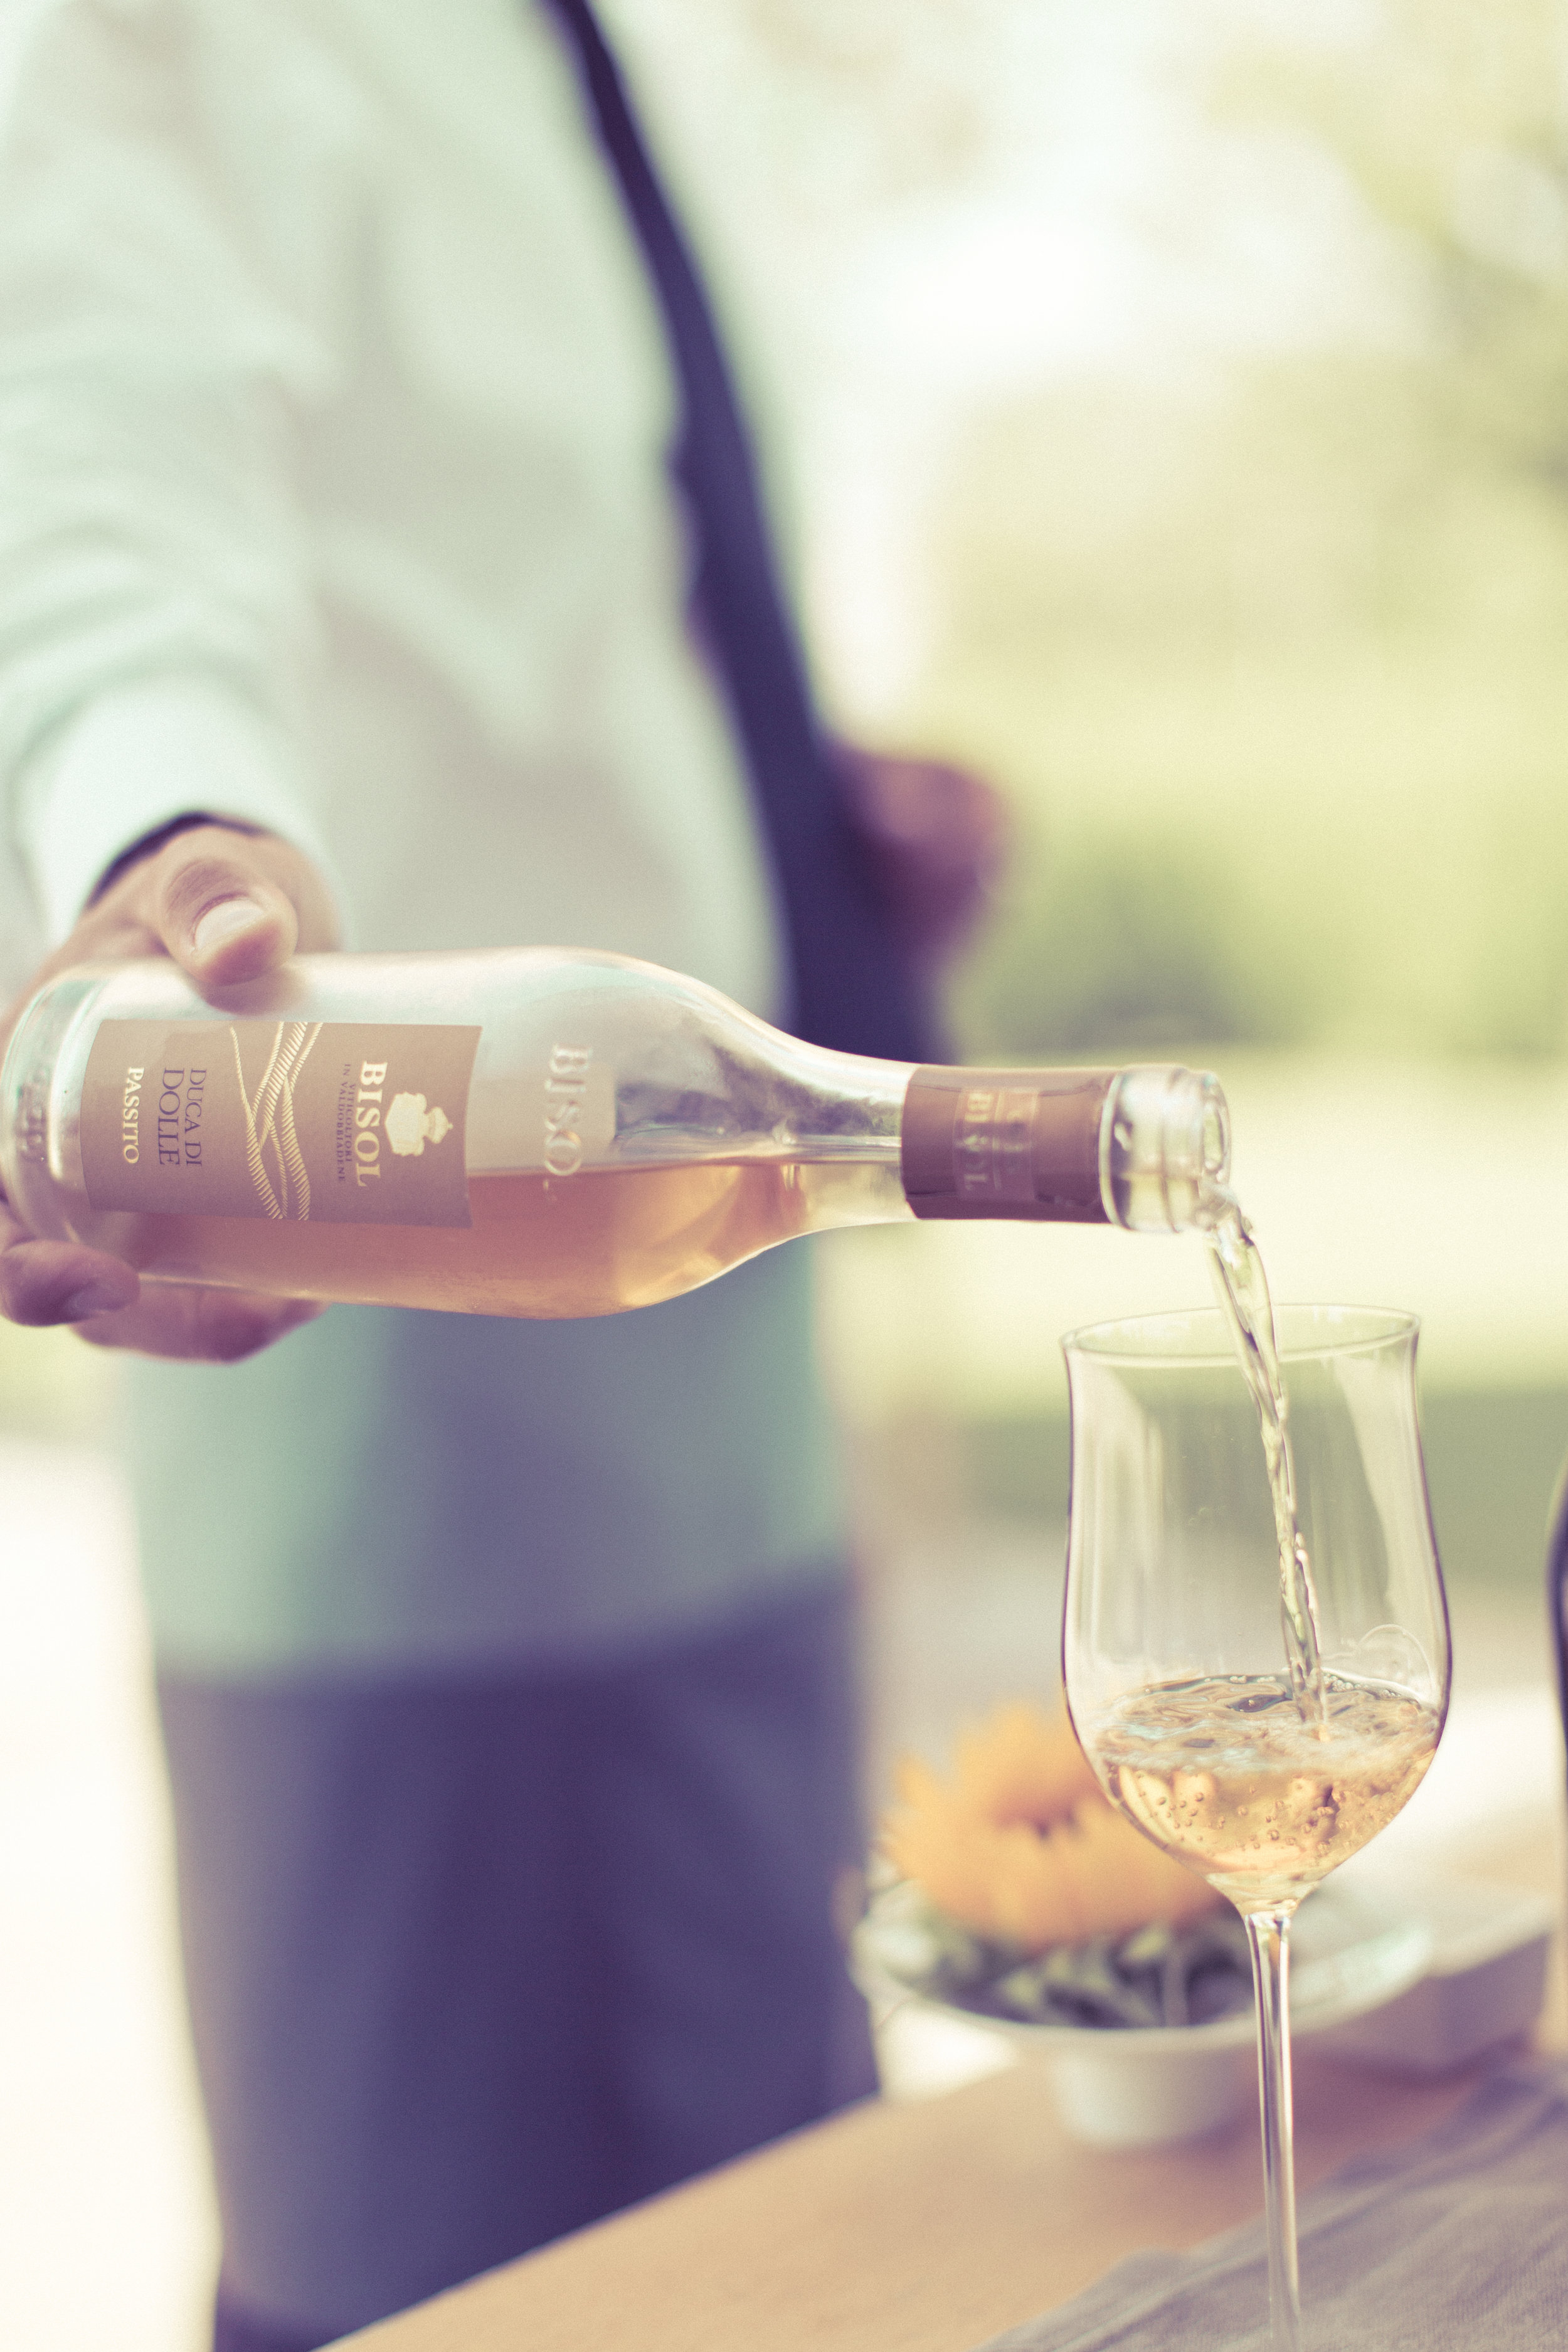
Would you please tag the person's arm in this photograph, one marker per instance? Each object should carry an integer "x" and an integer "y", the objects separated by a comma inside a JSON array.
[
  {"x": 176, "y": 199},
  {"x": 935, "y": 840}
]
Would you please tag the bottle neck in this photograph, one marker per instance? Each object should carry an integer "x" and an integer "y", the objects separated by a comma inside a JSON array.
[
  {"x": 1006, "y": 1143},
  {"x": 1147, "y": 1149}
]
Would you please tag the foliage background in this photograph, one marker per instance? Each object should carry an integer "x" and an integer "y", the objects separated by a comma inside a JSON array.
[{"x": 1179, "y": 396}]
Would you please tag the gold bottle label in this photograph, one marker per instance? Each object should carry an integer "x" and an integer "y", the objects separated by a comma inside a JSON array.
[{"x": 333, "y": 1122}]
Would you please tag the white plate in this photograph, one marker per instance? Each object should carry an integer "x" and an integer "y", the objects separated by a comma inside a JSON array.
[
  {"x": 1349, "y": 1953},
  {"x": 1123, "y": 2086},
  {"x": 1485, "y": 1982}
]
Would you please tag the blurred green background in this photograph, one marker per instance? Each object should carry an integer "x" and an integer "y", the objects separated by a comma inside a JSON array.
[
  {"x": 1253, "y": 594},
  {"x": 1272, "y": 657}
]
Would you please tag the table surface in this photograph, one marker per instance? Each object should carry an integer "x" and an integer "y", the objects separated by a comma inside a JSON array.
[{"x": 928, "y": 2227}]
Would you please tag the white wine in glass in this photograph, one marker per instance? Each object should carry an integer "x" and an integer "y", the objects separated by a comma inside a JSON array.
[{"x": 1259, "y": 1707}]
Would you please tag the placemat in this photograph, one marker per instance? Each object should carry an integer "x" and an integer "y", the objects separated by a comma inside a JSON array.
[{"x": 1461, "y": 2240}]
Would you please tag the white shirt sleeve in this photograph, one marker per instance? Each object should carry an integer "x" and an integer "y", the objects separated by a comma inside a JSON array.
[
  {"x": 161, "y": 324},
  {"x": 135, "y": 756}
]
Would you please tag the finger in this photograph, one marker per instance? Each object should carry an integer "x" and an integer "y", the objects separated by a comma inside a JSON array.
[
  {"x": 59, "y": 1282},
  {"x": 197, "y": 1325},
  {"x": 218, "y": 911}
]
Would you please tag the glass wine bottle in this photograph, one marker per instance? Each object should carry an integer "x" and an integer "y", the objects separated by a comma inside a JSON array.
[
  {"x": 533, "y": 1131},
  {"x": 1557, "y": 1588}
]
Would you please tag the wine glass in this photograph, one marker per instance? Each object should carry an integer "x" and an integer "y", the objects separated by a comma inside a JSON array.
[{"x": 1175, "y": 1649}]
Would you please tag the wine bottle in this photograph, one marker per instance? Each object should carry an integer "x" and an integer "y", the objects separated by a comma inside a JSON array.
[
  {"x": 1557, "y": 1589},
  {"x": 532, "y": 1131}
]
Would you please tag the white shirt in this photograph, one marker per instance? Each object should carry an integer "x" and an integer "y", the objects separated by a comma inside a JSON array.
[{"x": 334, "y": 406}]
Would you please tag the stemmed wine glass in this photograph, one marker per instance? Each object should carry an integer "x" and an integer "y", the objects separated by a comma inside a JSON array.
[{"x": 1259, "y": 1769}]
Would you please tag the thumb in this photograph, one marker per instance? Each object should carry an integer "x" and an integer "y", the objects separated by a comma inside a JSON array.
[{"x": 218, "y": 908}]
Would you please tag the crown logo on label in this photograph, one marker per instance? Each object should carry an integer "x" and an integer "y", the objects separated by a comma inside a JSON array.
[{"x": 410, "y": 1126}]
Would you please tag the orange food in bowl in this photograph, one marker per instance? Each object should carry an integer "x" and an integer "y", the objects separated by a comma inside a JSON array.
[{"x": 1021, "y": 1846}]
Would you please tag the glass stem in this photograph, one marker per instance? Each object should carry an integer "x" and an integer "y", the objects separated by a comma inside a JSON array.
[{"x": 1267, "y": 1933}]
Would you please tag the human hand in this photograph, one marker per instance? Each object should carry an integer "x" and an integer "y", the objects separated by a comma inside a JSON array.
[
  {"x": 936, "y": 839},
  {"x": 227, "y": 905}
]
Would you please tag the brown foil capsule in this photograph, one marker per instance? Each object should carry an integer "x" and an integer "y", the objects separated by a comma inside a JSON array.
[{"x": 1005, "y": 1143}]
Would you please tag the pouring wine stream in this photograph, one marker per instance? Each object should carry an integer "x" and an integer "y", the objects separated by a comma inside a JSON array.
[{"x": 1236, "y": 1266}]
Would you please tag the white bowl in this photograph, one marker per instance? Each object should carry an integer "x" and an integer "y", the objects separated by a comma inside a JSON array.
[{"x": 1139, "y": 2086}]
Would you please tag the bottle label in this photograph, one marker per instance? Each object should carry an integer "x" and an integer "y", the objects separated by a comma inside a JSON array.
[{"x": 333, "y": 1122}]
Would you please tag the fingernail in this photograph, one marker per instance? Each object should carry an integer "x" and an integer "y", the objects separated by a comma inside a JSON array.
[
  {"x": 93, "y": 1299},
  {"x": 225, "y": 921}
]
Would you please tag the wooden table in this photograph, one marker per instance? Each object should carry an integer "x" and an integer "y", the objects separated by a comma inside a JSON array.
[{"x": 924, "y": 2226}]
